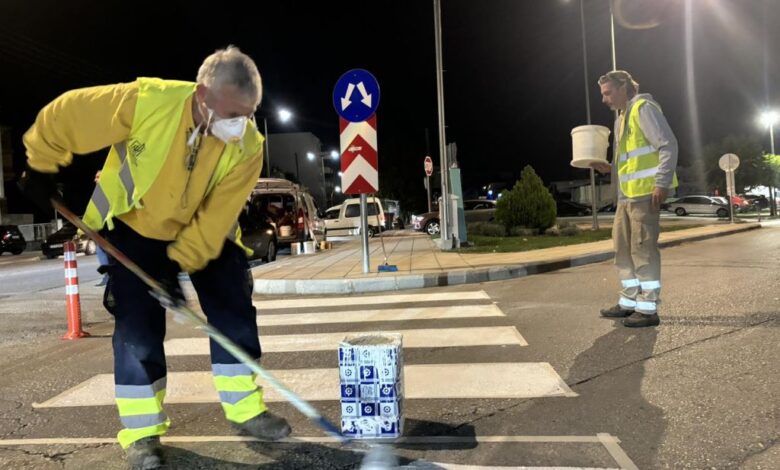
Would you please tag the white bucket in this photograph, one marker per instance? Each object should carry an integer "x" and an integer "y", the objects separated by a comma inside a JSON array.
[
  {"x": 285, "y": 231},
  {"x": 589, "y": 145}
]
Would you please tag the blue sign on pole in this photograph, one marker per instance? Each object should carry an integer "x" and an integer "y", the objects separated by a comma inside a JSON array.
[{"x": 356, "y": 95}]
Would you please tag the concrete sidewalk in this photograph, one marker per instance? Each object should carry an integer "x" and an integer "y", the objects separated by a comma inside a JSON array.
[{"x": 422, "y": 264}]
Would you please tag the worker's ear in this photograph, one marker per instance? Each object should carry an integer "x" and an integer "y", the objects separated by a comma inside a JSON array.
[{"x": 200, "y": 92}]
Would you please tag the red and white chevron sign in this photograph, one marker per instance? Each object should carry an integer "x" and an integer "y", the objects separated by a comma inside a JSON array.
[{"x": 359, "y": 162}]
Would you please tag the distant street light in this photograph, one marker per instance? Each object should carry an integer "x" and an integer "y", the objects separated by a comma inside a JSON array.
[
  {"x": 338, "y": 189},
  {"x": 769, "y": 119},
  {"x": 284, "y": 115}
]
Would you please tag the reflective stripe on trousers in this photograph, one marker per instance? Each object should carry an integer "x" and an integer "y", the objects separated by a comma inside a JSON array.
[
  {"x": 240, "y": 396},
  {"x": 140, "y": 410}
]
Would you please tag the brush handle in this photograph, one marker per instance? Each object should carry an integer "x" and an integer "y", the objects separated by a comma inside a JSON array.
[{"x": 299, "y": 403}]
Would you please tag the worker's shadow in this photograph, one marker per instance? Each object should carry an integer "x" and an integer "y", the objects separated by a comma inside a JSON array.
[
  {"x": 609, "y": 378},
  {"x": 308, "y": 455}
]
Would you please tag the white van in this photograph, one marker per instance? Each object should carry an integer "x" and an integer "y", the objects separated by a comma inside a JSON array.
[{"x": 344, "y": 219}]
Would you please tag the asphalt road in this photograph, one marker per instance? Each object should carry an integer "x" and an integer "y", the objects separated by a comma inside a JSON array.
[{"x": 700, "y": 391}]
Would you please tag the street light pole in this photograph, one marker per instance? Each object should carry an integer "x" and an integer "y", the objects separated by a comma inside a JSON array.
[
  {"x": 267, "y": 147},
  {"x": 593, "y": 204},
  {"x": 769, "y": 119},
  {"x": 445, "y": 199}
]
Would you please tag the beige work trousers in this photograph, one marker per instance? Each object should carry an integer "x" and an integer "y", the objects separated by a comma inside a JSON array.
[{"x": 637, "y": 257}]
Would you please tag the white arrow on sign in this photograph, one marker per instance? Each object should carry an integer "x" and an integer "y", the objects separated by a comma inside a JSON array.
[
  {"x": 366, "y": 96},
  {"x": 345, "y": 102}
]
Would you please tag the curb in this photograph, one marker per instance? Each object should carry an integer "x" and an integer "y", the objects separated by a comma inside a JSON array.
[{"x": 451, "y": 278}]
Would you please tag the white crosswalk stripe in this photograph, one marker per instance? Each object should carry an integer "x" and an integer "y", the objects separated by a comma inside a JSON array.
[
  {"x": 400, "y": 313},
  {"x": 418, "y": 338}
]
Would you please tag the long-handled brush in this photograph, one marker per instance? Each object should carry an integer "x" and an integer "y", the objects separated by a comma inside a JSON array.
[{"x": 378, "y": 456}]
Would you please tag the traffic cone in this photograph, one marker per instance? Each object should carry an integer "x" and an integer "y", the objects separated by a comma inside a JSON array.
[{"x": 72, "y": 299}]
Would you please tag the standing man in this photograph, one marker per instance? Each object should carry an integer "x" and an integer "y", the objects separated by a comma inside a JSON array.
[
  {"x": 646, "y": 159},
  {"x": 184, "y": 157}
]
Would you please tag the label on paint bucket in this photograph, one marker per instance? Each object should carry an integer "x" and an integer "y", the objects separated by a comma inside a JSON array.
[{"x": 371, "y": 383}]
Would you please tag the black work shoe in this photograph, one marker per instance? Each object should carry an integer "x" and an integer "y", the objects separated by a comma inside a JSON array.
[
  {"x": 266, "y": 426},
  {"x": 145, "y": 454},
  {"x": 615, "y": 311},
  {"x": 638, "y": 320}
]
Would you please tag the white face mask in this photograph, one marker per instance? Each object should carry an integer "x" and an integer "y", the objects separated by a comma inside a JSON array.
[{"x": 229, "y": 131}]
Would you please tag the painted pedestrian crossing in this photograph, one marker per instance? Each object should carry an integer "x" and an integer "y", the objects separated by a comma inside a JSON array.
[
  {"x": 416, "y": 338},
  {"x": 384, "y": 315},
  {"x": 440, "y": 381}
]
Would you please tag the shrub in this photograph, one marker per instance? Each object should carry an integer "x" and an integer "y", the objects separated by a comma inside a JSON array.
[
  {"x": 569, "y": 231},
  {"x": 529, "y": 204}
]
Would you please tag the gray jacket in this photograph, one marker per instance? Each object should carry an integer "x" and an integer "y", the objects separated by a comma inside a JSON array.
[{"x": 660, "y": 136}]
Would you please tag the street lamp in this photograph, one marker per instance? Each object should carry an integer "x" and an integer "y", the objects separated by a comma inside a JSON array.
[
  {"x": 768, "y": 119},
  {"x": 283, "y": 115}
]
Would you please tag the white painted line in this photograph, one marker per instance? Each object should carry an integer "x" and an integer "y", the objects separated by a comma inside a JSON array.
[
  {"x": 424, "y": 381},
  {"x": 320, "y": 440},
  {"x": 617, "y": 452},
  {"x": 369, "y": 300},
  {"x": 419, "y": 338},
  {"x": 362, "y": 316}
]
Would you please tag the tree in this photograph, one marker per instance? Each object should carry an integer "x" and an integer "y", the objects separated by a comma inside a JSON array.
[{"x": 529, "y": 204}]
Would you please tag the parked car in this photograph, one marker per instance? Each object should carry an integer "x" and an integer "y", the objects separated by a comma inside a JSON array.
[
  {"x": 474, "y": 210},
  {"x": 285, "y": 209},
  {"x": 566, "y": 208},
  {"x": 753, "y": 200},
  {"x": 344, "y": 219},
  {"x": 52, "y": 247},
  {"x": 699, "y": 205},
  {"x": 11, "y": 240}
]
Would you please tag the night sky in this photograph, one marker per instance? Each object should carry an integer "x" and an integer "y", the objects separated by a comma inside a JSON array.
[{"x": 514, "y": 85}]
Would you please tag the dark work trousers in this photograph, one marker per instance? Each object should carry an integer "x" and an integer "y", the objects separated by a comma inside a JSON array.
[{"x": 223, "y": 289}]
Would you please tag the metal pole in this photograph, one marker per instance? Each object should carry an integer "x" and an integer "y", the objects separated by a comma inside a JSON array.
[
  {"x": 324, "y": 191},
  {"x": 297, "y": 169},
  {"x": 364, "y": 231},
  {"x": 612, "y": 35},
  {"x": 443, "y": 207},
  {"x": 428, "y": 188},
  {"x": 593, "y": 204},
  {"x": 772, "y": 202},
  {"x": 613, "y": 177},
  {"x": 267, "y": 148},
  {"x": 2, "y": 178}
]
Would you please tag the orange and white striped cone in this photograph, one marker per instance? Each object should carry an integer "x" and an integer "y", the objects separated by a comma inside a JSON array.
[{"x": 72, "y": 299}]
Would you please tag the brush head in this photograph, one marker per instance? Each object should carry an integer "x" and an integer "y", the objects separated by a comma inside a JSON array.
[{"x": 380, "y": 458}]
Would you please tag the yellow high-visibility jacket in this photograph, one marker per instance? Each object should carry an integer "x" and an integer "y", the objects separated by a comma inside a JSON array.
[{"x": 146, "y": 182}]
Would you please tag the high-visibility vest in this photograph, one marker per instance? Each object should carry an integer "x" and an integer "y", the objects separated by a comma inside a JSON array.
[
  {"x": 638, "y": 159},
  {"x": 132, "y": 166}
]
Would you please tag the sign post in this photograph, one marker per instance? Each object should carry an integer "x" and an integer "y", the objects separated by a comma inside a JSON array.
[
  {"x": 729, "y": 163},
  {"x": 428, "y": 165},
  {"x": 356, "y": 98}
]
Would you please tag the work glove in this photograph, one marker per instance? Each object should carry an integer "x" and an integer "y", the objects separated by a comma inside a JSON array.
[
  {"x": 40, "y": 188},
  {"x": 169, "y": 281}
]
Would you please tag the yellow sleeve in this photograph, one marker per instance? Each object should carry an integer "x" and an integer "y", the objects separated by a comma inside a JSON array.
[
  {"x": 202, "y": 240},
  {"x": 80, "y": 121}
]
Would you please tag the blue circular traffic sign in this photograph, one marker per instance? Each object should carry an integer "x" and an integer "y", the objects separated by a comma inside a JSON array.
[{"x": 356, "y": 95}]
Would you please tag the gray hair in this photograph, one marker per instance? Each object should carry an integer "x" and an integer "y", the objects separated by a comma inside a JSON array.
[
  {"x": 620, "y": 78},
  {"x": 232, "y": 67}
]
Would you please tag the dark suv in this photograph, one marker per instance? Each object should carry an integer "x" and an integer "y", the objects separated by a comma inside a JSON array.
[{"x": 11, "y": 239}]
